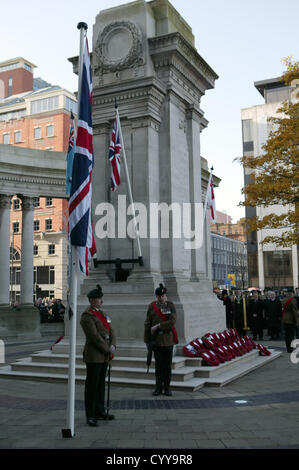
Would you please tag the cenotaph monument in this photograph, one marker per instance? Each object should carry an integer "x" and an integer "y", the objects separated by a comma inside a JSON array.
[{"x": 143, "y": 56}]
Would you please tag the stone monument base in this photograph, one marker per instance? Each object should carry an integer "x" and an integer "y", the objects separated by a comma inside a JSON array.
[
  {"x": 198, "y": 309},
  {"x": 19, "y": 323}
]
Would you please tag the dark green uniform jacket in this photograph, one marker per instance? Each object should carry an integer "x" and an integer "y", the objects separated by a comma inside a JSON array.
[
  {"x": 98, "y": 339},
  {"x": 163, "y": 336}
]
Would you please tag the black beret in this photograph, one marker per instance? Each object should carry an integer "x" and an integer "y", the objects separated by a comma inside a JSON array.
[
  {"x": 161, "y": 290},
  {"x": 95, "y": 293}
]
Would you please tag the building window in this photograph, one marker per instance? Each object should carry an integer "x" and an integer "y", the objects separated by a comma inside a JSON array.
[
  {"x": 51, "y": 249},
  {"x": 17, "y": 137},
  {"x": 13, "y": 115},
  {"x": 52, "y": 275},
  {"x": 247, "y": 131},
  {"x": 15, "y": 275},
  {"x": 277, "y": 264},
  {"x": 44, "y": 275},
  {"x": 35, "y": 250},
  {"x": 4, "y": 68},
  {"x": 6, "y": 139},
  {"x": 46, "y": 104},
  {"x": 9, "y": 86},
  {"x": 16, "y": 227},
  {"x": 36, "y": 225},
  {"x": 16, "y": 204},
  {"x": 48, "y": 225},
  {"x": 50, "y": 130},
  {"x": 71, "y": 105},
  {"x": 49, "y": 201},
  {"x": 36, "y": 202},
  {"x": 37, "y": 132}
]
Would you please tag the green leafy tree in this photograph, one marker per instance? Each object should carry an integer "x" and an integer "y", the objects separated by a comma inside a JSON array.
[{"x": 275, "y": 176}]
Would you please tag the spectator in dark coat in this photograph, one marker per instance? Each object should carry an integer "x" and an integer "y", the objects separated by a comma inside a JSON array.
[
  {"x": 256, "y": 315},
  {"x": 228, "y": 309},
  {"x": 58, "y": 310},
  {"x": 273, "y": 310}
]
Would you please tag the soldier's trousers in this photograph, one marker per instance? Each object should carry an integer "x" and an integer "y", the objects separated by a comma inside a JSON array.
[
  {"x": 95, "y": 389},
  {"x": 163, "y": 361},
  {"x": 289, "y": 335}
]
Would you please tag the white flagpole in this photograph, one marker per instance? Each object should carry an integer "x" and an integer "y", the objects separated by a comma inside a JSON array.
[
  {"x": 69, "y": 431},
  {"x": 128, "y": 182}
]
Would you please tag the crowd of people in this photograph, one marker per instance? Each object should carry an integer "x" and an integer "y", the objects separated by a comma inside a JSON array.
[
  {"x": 275, "y": 312},
  {"x": 51, "y": 310}
]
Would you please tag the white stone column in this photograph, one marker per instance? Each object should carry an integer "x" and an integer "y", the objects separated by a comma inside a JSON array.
[
  {"x": 4, "y": 248},
  {"x": 27, "y": 251}
]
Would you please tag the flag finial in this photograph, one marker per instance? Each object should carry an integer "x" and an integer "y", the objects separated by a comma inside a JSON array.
[
  {"x": 82, "y": 25},
  {"x": 115, "y": 103}
]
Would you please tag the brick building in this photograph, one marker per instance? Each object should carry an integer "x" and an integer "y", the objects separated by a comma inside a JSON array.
[
  {"x": 35, "y": 114},
  {"x": 226, "y": 228}
]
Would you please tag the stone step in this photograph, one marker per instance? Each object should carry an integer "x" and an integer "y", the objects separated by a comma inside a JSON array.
[
  {"x": 6, "y": 372},
  {"x": 49, "y": 357},
  {"x": 180, "y": 375},
  {"x": 241, "y": 369},
  {"x": 212, "y": 371},
  {"x": 190, "y": 377}
]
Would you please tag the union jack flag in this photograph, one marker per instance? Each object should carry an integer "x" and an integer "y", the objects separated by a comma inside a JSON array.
[
  {"x": 80, "y": 213},
  {"x": 114, "y": 154},
  {"x": 70, "y": 157}
]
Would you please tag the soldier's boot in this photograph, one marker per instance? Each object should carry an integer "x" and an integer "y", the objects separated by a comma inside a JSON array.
[
  {"x": 167, "y": 390},
  {"x": 158, "y": 390}
]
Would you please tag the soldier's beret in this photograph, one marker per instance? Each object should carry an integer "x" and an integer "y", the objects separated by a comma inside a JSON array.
[
  {"x": 95, "y": 293},
  {"x": 161, "y": 290}
]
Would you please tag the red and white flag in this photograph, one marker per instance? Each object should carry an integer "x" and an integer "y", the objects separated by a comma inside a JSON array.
[{"x": 211, "y": 200}]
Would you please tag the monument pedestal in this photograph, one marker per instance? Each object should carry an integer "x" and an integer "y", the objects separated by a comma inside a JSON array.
[{"x": 144, "y": 56}]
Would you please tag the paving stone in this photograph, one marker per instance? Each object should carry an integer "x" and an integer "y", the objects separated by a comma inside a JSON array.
[
  {"x": 183, "y": 444},
  {"x": 210, "y": 444},
  {"x": 157, "y": 444},
  {"x": 248, "y": 443},
  {"x": 34, "y": 414}
]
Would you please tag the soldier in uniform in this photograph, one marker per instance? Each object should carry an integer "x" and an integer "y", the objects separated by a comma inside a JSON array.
[
  {"x": 256, "y": 315},
  {"x": 98, "y": 351},
  {"x": 289, "y": 318},
  {"x": 159, "y": 329}
]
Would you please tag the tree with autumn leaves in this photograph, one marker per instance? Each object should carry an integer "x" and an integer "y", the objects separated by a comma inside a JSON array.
[{"x": 275, "y": 173}]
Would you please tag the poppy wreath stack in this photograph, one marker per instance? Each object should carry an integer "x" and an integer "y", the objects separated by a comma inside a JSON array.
[
  {"x": 217, "y": 348},
  {"x": 263, "y": 350},
  {"x": 208, "y": 356},
  {"x": 190, "y": 351}
]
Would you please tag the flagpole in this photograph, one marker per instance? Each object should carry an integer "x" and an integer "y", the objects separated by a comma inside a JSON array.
[
  {"x": 128, "y": 181},
  {"x": 69, "y": 431}
]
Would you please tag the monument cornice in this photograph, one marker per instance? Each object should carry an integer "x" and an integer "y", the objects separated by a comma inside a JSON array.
[
  {"x": 144, "y": 101},
  {"x": 128, "y": 90},
  {"x": 163, "y": 47},
  {"x": 32, "y": 172}
]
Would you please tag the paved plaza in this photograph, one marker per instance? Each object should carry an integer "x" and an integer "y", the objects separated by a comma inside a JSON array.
[{"x": 257, "y": 411}]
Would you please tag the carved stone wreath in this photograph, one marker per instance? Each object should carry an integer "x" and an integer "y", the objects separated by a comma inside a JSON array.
[{"x": 119, "y": 46}]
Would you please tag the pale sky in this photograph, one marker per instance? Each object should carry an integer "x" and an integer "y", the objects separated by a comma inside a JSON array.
[{"x": 243, "y": 41}]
